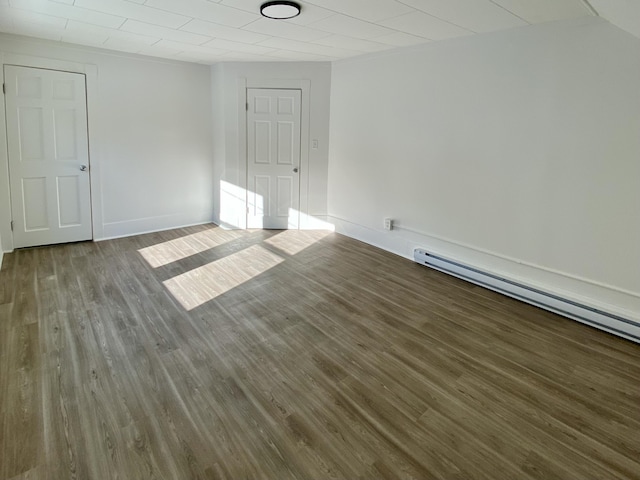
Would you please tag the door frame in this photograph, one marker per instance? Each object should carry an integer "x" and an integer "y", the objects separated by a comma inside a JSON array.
[
  {"x": 90, "y": 72},
  {"x": 286, "y": 84}
]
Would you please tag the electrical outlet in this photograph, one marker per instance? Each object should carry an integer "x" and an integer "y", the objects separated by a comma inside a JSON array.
[
  {"x": 388, "y": 224},
  {"x": 314, "y": 143}
]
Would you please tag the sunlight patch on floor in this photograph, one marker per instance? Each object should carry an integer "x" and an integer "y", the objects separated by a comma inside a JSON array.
[
  {"x": 168, "y": 252},
  {"x": 205, "y": 283},
  {"x": 294, "y": 241}
]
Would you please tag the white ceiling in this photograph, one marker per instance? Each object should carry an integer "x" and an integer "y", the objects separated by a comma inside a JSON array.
[{"x": 210, "y": 31}]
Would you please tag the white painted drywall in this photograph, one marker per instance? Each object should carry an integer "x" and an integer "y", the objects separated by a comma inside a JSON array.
[
  {"x": 517, "y": 152},
  {"x": 622, "y": 13},
  {"x": 228, "y": 80},
  {"x": 152, "y": 131}
]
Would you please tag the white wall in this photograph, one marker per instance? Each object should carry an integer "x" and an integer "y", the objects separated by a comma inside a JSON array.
[
  {"x": 517, "y": 152},
  {"x": 150, "y": 127},
  {"x": 229, "y": 81}
]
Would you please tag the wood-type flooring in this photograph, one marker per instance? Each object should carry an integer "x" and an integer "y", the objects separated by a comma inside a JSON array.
[{"x": 203, "y": 353}]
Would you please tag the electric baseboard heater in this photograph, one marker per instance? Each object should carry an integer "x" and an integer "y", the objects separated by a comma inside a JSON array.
[{"x": 582, "y": 313}]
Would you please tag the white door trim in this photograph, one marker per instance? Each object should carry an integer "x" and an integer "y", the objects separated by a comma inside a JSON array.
[
  {"x": 91, "y": 73},
  {"x": 294, "y": 84}
]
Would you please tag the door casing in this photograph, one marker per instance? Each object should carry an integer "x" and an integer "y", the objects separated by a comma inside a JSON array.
[{"x": 287, "y": 84}]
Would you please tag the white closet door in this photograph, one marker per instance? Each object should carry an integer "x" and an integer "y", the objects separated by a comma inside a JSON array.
[
  {"x": 46, "y": 113},
  {"x": 273, "y": 158}
]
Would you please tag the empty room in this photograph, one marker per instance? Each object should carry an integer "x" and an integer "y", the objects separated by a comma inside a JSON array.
[{"x": 325, "y": 239}]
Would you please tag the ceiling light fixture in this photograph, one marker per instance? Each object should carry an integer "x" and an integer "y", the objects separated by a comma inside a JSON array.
[{"x": 280, "y": 10}]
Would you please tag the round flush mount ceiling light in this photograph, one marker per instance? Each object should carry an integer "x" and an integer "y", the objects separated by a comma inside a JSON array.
[{"x": 280, "y": 10}]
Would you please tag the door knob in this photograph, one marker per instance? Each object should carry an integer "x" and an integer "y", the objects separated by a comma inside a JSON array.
[
  {"x": 83, "y": 168},
  {"x": 295, "y": 170}
]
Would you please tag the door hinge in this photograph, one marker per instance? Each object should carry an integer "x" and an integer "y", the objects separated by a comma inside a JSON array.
[
  {"x": 12, "y": 225},
  {"x": 4, "y": 88},
  {"x": 246, "y": 106}
]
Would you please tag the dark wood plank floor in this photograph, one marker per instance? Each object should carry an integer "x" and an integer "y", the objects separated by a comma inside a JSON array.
[{"x": 201, "y": 353}]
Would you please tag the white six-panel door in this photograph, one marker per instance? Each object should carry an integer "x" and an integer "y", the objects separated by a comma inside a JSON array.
[
  {"x": 273, "y": 158},
  {"x": 46, "y": 114}
]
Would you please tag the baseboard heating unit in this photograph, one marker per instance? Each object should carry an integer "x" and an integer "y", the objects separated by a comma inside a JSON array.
[{"x": 582, "y": 313}]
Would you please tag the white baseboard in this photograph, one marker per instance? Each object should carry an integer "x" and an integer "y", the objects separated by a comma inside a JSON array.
[
  {"x": 307, "y": 222},
  {"x": 153, "y": 224},
  {"x": 315, "y": 222},
  {"x": 597, "y": 296}
]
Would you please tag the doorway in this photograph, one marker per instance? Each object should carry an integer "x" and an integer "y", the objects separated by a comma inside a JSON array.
[
  {"x": 273, "y": 158},
  {"x": 48, "y": 154}
]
